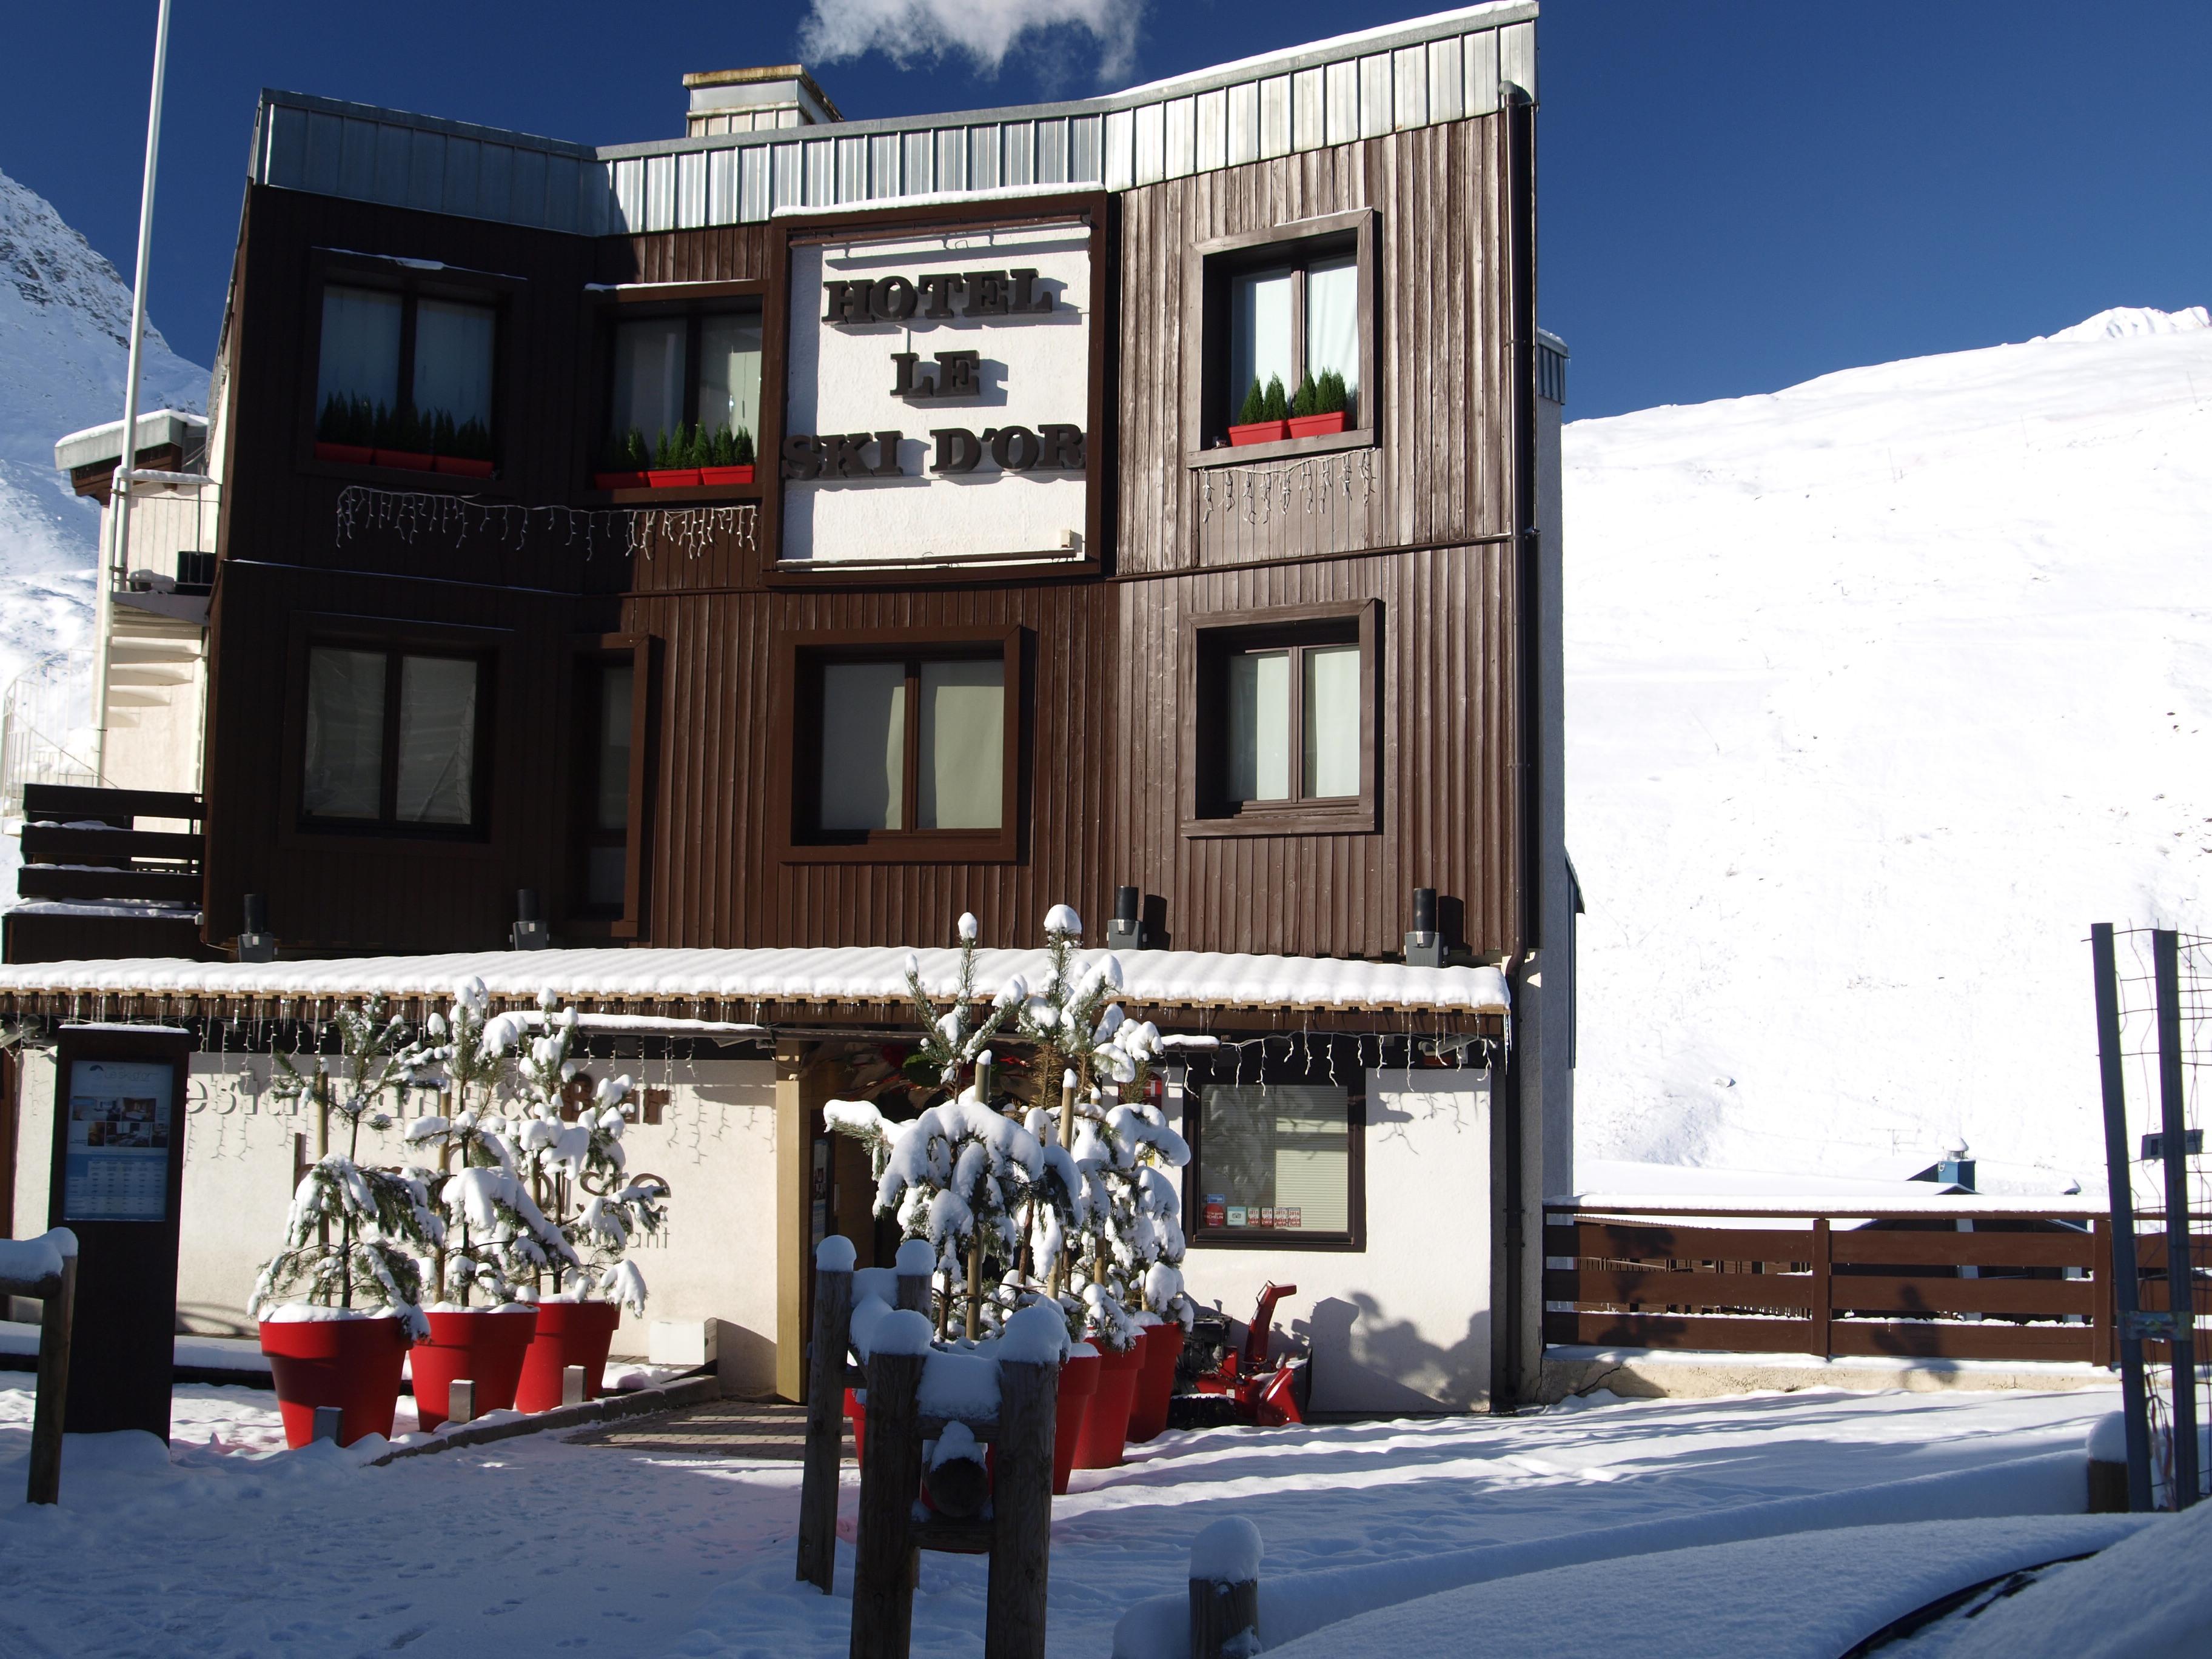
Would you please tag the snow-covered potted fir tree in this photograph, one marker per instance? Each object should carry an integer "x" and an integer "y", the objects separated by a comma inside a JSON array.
[
  {"x": 577, "y": 1176},
  {"x": 496, "y": 1234},
  {"x": 338, "y": 1306}
]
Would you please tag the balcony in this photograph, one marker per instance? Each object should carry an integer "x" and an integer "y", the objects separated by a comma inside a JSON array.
[{"x": 169, "y": 566}]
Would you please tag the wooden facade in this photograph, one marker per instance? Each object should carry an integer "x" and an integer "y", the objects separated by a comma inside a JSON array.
[{"x": 534, "y": 567}]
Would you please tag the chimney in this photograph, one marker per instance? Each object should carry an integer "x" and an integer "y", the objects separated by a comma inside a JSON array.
[{"x": 755, "y": 100}]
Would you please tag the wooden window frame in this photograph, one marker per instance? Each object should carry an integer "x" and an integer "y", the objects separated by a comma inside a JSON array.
[
  {"x": 1206, "y": 270},
  {"x": 630, "y": 922},
  {"x": 332, "y": 268},
  {"x": 796, "y": 710},
  {"x": 1209, "y": 639},
  {"x": 1352, "y": 1078},
  {"x": 641, "y": 302},
  {"x": 491, "y": 646}
]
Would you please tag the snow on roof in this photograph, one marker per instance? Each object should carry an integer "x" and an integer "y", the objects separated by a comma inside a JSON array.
[
  {"x": 1619, "y": 1187},
  {"x": 842, "y": 974}
]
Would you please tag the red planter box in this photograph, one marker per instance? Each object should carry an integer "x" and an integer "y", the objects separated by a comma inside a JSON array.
[
  {"x": 351, "y": 1363},
  {"x": 1078, "y": 1386},
  {"x": 1316, "y": 425},
  {"x": 620, "y": 480},
  {"x": 677, "y": 477},
  {"x": 568, "y": 1333},
  {"x": 407, "y": 460},
  {"x": 726, "y": 475},
  {"x": 1106, "y": 1424},
  {"x": 1260, "y": 432},
  {"x": 351, "y": 454},
  {"x": 1148, "y": 1413},
  {"x": 483, "y": 1344},
  {"x": 464, "y": 469}
]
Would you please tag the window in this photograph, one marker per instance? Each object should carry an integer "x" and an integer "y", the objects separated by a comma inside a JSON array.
[
  {"x": 393, "y": 740},
  {"x": 610, "y": 687},
  {"x": 406, "y": 372},
  {"x": 906, "y": 750},
  {"x": 1284, "y": 734},
  {"x": 1278, "y": 1161},
  {"x": 675, "y": 371},
  {"x": 1294, "y": 303}
]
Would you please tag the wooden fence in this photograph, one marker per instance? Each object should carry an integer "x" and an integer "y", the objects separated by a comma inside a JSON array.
[{"x": 2019, "y": 1286}]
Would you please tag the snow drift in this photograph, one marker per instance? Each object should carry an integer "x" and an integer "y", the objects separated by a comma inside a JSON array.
[{"x": 1880, "y": 689}]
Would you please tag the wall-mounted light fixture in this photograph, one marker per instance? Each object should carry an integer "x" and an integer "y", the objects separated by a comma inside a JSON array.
[
  {"x": 529, "y": 933},
  {"x": 255, "y": 942},
  {"x": 1126, "y": 932},
  {"x": 1424, "y": 945}
]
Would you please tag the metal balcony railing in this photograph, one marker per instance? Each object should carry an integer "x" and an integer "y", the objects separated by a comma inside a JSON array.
[
  {"x": 173, "y": 517},
  {"x": 45, "y": 736}
]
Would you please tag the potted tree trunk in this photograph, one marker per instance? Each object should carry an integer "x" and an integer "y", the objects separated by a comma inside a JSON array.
[
  {"x": 1265, "y": 416},
  {"x": 337, "y": 1304}
]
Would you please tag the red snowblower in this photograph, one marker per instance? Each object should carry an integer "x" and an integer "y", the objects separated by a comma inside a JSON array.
[{"x": 1217, "y": 1384}]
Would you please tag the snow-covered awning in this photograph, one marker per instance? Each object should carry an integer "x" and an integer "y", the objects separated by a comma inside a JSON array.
[{"x": 847, "y": 985}]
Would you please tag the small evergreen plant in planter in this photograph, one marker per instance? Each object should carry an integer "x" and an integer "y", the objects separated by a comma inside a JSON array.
[
  {"x": 338, "y": 1305},
  {"x": 729, "y": 458},
  {"x": 625, "y": 463},
  {"x": 1321, "y": 406},
  {"x": 1264, "y": 417},
  {"x": 676, "y": 458},
  {"x": 402, "y": 439},
  {"x": 346, "y": 430}
]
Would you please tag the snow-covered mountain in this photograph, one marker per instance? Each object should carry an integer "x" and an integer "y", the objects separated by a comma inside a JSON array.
[
  {"x": 65, "y": 334},
  {"x": 1881, "y": 691}
]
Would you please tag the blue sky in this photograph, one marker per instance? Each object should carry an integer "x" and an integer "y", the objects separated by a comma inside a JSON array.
[{"x": 1735, "y": 196}]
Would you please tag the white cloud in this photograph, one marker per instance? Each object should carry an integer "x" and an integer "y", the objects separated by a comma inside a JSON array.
[{"x": 910, "y": 31}]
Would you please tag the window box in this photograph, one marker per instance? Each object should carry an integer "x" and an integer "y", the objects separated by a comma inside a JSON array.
[
  {"x": 673, "y": 477},
  {"x": 460, "y": 466},
  {"x": 407, "y": 460},
  {"x": 1310, "y": 426},
  {"x": 713, "y": 476},
  {"x": 622, "y": 480},
  {"x": 346, "y": 454},
  {"x": 1262, "y": 432}
]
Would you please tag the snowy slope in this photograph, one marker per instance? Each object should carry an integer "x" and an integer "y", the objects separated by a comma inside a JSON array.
[
  {"x": 1881, "y": 691},
  {"x": 64, "y": 333}
]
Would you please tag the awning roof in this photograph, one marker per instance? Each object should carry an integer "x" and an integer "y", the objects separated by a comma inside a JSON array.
[{"x": 854, "y": 984}]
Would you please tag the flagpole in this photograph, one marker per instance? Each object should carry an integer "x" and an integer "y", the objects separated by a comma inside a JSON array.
[{"x": 118, "y": 552}]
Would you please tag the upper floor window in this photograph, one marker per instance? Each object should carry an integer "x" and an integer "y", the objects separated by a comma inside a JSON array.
[
  {"x": 1286, "y": 321},
  {"x": 684, "y": 388},
  {"x": 1284, "y": 738},
  {"x": 905, "y": 749},
  {"x": 405, "y": 376},
  {"x": 393, "y": 740}
]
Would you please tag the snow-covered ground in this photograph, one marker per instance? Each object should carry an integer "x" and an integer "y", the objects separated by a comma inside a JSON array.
[
  {"x": 535, "y": 1546},
  {"x": 1880, "y": 690}
]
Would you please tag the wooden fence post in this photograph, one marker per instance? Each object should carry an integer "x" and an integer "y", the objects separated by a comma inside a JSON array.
[
  {"x": 2103, "y": 1350},
  {"x": 1021, "y": 1501},
  {"x": 1224, "y": 1590},
  {"x": 56, "y": 1317},
  {"x": 825, "y": 1430},
  {"x": 916, "y": 1272},
  {"x": 1824, "y": 1288},
  {"x": 891, "y": 1477}
]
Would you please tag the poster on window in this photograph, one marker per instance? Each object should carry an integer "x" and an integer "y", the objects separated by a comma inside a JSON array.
[
  {"x": 937, "y": 396},
  {"x": 116, "y": 1167}
]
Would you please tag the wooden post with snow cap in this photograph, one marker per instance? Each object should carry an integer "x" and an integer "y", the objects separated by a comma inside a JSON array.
[
  {"x": 1030, "y": 1351},
  {"x": 1224, "y": 1590},
  {"x": 916, "y": 1272},
  {"x": 825, "y": 1400},
  {"x": 46, "y": 1267},
  {"x": 890, "y": 1476}
]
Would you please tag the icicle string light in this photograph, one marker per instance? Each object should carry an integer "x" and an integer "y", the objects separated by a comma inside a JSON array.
[{"x": 630, "y": 532}]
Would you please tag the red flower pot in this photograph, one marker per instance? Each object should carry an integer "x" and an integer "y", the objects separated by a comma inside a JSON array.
[
  {"x": 1106, "y": 1425},
  {"x": 620, "y": 480},
  {"x": 568, "y": 1333},
  {"x": 1316, "y": 425},
  {"x": 456, "y": 466},
  {"x": 1079, "y": 1385},
  {"x": 720, "y": 475},
  {"x": 673, "y": 477},
  {"x": 484, "y": 1345},
  {"x": 1148, "y": 1414},
  {"x": 1259, "y": 432},
  {"x": 407, "y": 460},
  {"x": 351, "y": 1363},
  {"x": 856, "y": 1413},
  {"x": 351, "y": 454}
]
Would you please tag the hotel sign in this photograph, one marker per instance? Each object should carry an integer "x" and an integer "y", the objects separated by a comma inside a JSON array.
[{"x": 938, "y": 385}]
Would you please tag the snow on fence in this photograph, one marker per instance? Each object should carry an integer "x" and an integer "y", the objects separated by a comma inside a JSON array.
[
  {"x": 1992, "y": 1282},
  {"x": 46, "y": 1268}
]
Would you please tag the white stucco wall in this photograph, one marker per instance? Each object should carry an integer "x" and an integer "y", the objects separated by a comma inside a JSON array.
[
  {"x": 1403, "y": 1325},
  {"x": 715, "y": 1146}
]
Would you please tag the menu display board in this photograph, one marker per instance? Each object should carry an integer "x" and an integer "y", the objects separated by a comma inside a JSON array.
[{"x": 116, "y": 1164}]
